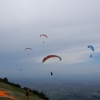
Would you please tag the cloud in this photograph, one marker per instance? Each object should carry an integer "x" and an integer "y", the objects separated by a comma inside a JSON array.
[{"x": 70, "y": 26}]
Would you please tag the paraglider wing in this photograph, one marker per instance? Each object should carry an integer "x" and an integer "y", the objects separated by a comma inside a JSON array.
[
  {"x": 91, "y": 47},
  {"x": 20, "y": 69},
  {"x": 43, "y": 35},
  {"x": 50, "y": 56},
  {"x": 28, "y": 48}
]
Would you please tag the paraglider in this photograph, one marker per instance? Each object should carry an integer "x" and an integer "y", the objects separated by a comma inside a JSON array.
[
  {"x": 91, "y": 47},
  {"x": 50, "y": 56},
  {"x": 44, "y": 36},
  {"x": 51, "y": 73},
  {"x": 29, "y": 49},
  {"x": 20, "y": 70}
]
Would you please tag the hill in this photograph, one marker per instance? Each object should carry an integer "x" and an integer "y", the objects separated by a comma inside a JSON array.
[{"x": 11, "y": 91}]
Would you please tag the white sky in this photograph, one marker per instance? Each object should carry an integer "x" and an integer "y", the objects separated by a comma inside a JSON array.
[{"x": 71, "y": 25}]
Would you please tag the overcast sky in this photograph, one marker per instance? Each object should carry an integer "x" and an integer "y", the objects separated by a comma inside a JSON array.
[{"x": 70, "y": 26}]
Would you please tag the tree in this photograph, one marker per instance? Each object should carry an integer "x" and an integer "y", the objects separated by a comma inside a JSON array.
[{"x": 5, "y": 80}]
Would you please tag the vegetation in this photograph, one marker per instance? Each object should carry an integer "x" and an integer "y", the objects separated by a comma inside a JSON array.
[{"x": 16, "y": 90}]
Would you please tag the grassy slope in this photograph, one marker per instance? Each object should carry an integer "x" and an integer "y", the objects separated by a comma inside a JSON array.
[{"x": 18, "y": 93}]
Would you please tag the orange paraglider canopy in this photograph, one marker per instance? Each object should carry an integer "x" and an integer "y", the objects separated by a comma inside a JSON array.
[
  {"x": 43, "y": 35},
  {"x": 50, "y": 56}
]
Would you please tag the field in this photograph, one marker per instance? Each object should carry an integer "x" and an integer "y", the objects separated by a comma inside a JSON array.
[{"x": 15, "y": 93}]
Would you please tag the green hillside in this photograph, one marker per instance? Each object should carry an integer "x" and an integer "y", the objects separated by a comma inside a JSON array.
[{"x": 16, "y": 92}]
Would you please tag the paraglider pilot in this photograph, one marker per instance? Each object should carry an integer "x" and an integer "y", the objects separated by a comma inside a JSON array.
[
  {"x": 27, "y": 94},
  {"x": 51, "y": 73}
]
